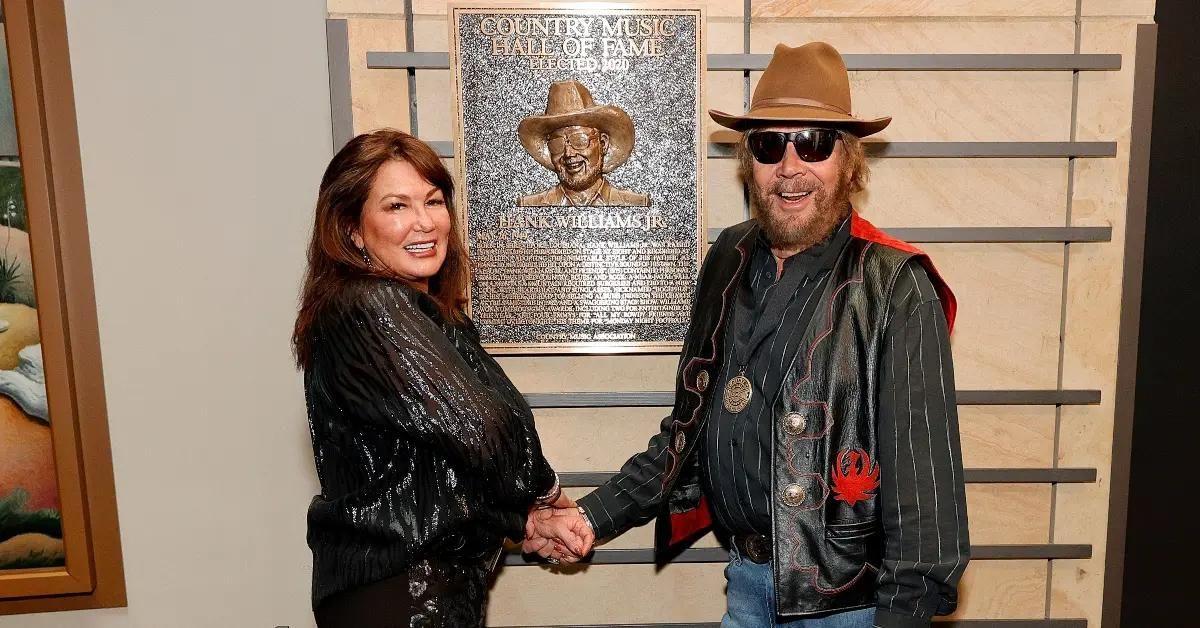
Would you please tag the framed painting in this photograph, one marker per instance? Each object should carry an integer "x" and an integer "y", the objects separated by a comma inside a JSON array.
[{"x": 59, "y": 542}]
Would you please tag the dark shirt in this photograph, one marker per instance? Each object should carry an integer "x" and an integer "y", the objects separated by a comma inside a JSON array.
[
  {"x": 769, "y": 318},
  {"x": 923, "y": 505},
  {"x": 424, "y": 449},
  {"x": 775, "y": 313},
  {"x": 921, "y": 496}
]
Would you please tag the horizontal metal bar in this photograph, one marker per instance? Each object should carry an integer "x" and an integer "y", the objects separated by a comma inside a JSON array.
[
  {"x": 407, "y": 60},
  {"x": 1048, "y": 551},
  {"x": 932, "y": 150},
  {"x": 1068, "y": 475},
  {"x": 389, "y": 60},
  {"x": 1011, "y": 623},
  {"x": 902, "y": 62},
  {"x": 987, "y": 235},
  {"x": 991, "y": 149},
  {"x": 396, "y": 60},
  {"x": 665, "y": 399},
  {"x": 953, "y": 623},
  {"x": 1028, "y": 397},
  {"x": 600, "y": 400},
  {"x": 967, "y": 149},
  {"x": 578, "y": 479}
]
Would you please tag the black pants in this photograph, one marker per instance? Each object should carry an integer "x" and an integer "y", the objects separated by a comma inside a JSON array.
[{"x": 432, "y": 594}]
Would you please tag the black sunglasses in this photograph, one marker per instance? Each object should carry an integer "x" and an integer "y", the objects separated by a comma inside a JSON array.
[{"x": 812, "y": 145}]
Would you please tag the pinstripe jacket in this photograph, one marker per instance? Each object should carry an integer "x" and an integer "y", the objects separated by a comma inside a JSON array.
[{"x": 843, "y": 493}]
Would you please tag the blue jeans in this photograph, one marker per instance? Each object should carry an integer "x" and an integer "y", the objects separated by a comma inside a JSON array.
[{"x": 750, "y": 601}]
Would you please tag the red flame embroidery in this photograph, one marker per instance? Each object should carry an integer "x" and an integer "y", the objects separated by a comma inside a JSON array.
[{"x": 854, "y": 476}]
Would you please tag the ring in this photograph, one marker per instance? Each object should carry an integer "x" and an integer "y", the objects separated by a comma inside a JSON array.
[{"x": 552, "y": 560}]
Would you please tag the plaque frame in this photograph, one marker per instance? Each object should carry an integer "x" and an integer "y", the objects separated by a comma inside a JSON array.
[{"x": 458, "y": 8}]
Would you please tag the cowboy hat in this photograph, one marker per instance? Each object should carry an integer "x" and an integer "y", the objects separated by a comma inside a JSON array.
[
  {"x": 807, "y": 84},
  {"x": 569, "y": 103}
]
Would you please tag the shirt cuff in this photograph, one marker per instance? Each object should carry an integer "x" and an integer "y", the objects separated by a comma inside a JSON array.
[
  {"x": 588, "y": 506},
  {"x": 887, "y": 619}
]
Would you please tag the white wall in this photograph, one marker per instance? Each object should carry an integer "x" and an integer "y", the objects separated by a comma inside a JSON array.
[{"x": 204, "y": 129}]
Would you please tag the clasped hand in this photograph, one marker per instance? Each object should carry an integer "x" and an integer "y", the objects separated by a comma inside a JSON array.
[{"x": 558, "y": 532}]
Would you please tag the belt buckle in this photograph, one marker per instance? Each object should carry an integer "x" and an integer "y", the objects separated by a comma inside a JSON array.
[{"x": 757, "y": 548}]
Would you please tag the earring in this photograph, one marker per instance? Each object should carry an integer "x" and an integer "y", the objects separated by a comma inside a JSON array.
[{"x": 366, "y": 258}]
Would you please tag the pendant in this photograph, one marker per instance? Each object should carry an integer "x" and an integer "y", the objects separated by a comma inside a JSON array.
[{"x": 737, "y": 394}]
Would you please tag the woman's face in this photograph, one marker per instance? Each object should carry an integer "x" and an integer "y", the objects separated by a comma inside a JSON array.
[{"x": 405, "y": 224}]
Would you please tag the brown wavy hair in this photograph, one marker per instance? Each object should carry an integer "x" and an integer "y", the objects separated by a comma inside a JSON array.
[{"x": 333, "y": 260}]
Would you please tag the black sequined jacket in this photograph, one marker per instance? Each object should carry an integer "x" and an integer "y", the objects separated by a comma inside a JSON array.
[{"x": 423, "y": 446}]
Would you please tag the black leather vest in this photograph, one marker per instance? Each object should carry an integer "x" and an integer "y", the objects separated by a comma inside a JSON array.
[{"x": 827, "y": 531}]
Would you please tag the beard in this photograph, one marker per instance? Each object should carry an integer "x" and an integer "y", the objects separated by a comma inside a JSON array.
[
  {"x": 800, "y": 231},
  {"x": 578, "y": 181}
]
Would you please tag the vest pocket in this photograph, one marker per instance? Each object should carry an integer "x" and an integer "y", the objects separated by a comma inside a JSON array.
[
  {"x": 852, "y": 530},
  {"x": 850, "y": 552}
]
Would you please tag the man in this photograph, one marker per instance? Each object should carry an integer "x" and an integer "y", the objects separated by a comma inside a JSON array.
[
  {"x": 814, "y": 419},
  {"x": 579, "y": 141}
]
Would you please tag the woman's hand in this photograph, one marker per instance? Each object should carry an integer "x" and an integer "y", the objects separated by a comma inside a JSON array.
[{"x": 558, "y": 533}]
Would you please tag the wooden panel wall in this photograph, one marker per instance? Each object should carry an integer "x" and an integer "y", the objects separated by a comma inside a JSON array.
[{"x": 1032, "y": 316}]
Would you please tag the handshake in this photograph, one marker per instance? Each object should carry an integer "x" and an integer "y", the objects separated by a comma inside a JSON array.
[{"x": 558, "y": 532}]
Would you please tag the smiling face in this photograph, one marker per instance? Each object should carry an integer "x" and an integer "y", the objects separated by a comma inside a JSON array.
[
  {"x": 405, "y": 224},
  {"x": 577, "y": 153},
  {"x": 799, "y": 203}
]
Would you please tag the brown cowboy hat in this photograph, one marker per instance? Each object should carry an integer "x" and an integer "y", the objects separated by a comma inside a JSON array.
[
  {"x": 803, "y": 85},
  {"x": 570, "y": 104}
]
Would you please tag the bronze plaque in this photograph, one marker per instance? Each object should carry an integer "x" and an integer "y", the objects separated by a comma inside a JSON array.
[{"x": 580, "y": 158}]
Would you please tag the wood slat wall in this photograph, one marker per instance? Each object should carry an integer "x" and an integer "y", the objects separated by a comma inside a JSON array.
[{"x": 1034, "y": 316}]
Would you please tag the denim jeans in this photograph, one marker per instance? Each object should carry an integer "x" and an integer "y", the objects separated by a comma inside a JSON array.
[{"x": 750, "y": 601}]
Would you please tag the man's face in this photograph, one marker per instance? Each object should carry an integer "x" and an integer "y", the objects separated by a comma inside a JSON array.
[
  {"x": 577, "y": 153},
  {"x": 799, "y": 203}
]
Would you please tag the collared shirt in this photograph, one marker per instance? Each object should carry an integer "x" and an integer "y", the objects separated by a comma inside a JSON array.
[
  {"x": 916, "y": 358},
  {"x": 769, "y": 318},
  {"x": 921, "y": 496}
]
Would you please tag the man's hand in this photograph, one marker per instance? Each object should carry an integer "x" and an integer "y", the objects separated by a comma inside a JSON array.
[{"x": 558, "y": 533}]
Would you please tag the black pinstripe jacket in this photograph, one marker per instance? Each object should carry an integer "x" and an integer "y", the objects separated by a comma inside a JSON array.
[{"x": 848, "y": 485}]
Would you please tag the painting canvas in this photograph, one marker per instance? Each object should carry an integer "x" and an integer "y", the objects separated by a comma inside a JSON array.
[{"x": 30, "y": 521}]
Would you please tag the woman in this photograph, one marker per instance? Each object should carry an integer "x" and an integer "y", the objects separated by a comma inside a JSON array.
[{"x": 426, "y": 453}]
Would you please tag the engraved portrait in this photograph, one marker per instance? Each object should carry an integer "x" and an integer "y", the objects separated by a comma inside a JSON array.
[{"x": 580, "y": 142}]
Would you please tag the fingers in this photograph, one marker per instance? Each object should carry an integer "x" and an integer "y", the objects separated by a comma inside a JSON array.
[
  {"x": 534, "y": 545},
  {"x": 571, "y": 531},
  {"x": 587, "y": 537},
  {"x": 558, "y": 534}
]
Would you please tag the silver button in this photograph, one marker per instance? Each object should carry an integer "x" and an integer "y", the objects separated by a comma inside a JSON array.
[
  {"x": 794, "y": 423},
  {"x": 793, "y": 495},
  {"x": 680, "y": 442},
  {"x": 702, "y": 381}
]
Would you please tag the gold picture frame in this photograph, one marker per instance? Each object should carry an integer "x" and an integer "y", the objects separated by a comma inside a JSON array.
[{"x": 92, "y": 575}]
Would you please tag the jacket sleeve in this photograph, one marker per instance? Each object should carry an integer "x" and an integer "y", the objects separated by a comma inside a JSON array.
[
  {"x": 633, "y": 496},
  {"x": 544, "y": 475},
  {"x": 392, "y": 365},
  {"x": 923, "y": 501}
]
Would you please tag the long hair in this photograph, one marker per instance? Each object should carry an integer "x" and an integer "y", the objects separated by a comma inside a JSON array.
[{"x": 333, "y": 260}]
